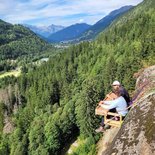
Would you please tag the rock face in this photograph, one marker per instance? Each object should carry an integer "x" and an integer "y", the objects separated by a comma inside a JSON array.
[
  {"x": 137, "y": 134},
  {"x": 106, "y": 140}
]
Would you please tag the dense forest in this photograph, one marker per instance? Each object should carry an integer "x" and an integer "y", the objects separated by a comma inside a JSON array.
[
  {"x": 55, "y": 101},
  {"x": 16, "y": 40},
  {"x": 19, "y": 46}
]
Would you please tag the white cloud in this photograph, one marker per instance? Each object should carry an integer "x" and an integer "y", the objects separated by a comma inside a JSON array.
[
  {"x": 81, "y": 20},
  {"x": 59, "y": 11}
]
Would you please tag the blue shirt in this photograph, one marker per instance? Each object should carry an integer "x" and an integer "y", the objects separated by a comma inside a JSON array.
[{"x": 119, "y": 103}]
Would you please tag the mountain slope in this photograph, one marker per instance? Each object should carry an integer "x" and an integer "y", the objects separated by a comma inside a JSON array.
[
  {"x": 103, "y": 23},
  {"x": 68, "y": 33},
  {"x": 45, "y": 31},
  {"x": 16, "y": 40}
]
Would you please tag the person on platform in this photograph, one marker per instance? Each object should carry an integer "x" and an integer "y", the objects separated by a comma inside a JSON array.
[{"x": 118, "y": 105}]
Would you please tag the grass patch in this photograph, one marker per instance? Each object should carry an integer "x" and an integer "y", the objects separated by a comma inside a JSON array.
[
  {"x": 83, "y": 146},
  {"x": 15, "y": 73}
]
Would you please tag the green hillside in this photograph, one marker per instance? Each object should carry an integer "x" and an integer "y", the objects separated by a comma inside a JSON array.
[
  {"x": 15, "y": 41},
  {"x": 20, "y": 46},
  {"x": 57, "y": 100}
]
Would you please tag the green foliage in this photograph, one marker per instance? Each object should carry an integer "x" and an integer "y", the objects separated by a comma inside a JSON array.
[
  {"x": 85, "y": 107},
  {"x": 86, "y": 147},
  {"x": 52, "y": 137},
  {"x": 41, "y": 150},
  {"x": 36, "y": 137},
  {"x": 18, "y": 142},
  {"x": 20, "y": 46},
  {"x": 15, "y": 41},
  {"x": 24, "y": 118},
  {"x": 4, "y": 147}
]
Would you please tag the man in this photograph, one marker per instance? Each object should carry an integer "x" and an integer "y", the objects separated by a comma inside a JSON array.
[
  {"x": 117, "y": 88},
  {"x": 120, "y": 103}
]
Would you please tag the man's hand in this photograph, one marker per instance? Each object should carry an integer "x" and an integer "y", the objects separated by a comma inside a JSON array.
[{"x": 100, "y": 103}]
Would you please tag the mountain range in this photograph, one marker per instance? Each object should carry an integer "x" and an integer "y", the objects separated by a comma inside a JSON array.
[
  {"x": 69, "y": 33},
  {"x": 44, "y": 31},
  {"x": 79, "y": 31},
  {"x": 98, "y": 27}
]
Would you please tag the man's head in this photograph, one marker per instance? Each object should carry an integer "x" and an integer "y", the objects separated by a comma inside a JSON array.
[{"x": 116, "y": 85}]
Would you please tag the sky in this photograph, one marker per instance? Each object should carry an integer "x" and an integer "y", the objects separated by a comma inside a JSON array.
[{"x": 58, "y": 12}]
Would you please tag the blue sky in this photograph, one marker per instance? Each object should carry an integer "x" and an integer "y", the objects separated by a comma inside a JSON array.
[{"x": 58, "y": 12}]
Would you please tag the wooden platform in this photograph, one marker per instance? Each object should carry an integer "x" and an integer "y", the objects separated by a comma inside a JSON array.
[
  {"x": 112, "y": 121},
  {"x": 102, "y": 112}
]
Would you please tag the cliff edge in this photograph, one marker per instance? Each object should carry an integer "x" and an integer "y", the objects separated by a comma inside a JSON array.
[{"x": 137, "y": 134}]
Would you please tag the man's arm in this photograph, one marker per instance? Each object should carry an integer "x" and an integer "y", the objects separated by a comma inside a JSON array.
[
  {"x": 104, "y": 102},
  {"x": 109, "y": 104}
]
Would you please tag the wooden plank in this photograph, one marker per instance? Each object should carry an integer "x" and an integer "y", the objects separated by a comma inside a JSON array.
[
  {"x": 100, "y": 111},
  {"x": 113, "y": 114},
  {"x": 114, "y": 123}
]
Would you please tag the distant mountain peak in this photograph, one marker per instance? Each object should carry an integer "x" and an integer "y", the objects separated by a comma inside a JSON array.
[
  {"x": 45, "y": 31},
  {"x": 69, "y": 33},
  {"x": 103, "y": 23}
]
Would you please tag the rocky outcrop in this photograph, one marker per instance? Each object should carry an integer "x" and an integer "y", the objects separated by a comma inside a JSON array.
[
  {"x": 137, "y": 134},
  {"x": 106, "y": 140},
  {"x": 8, "y": 125}
]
